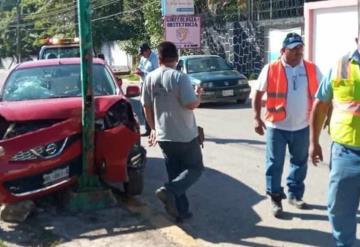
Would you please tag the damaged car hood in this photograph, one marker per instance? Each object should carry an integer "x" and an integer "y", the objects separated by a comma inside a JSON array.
[{"x": 57, "y": 108}]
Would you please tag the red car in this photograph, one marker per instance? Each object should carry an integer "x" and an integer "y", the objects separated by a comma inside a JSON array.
[{"x": 40, "y": 128}]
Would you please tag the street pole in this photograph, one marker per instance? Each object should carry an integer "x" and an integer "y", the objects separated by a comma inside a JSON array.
[
  {"x": 18, "y": 39},
  {"x": 88, "y": 122},
  {"x": 90, "y": 194}
]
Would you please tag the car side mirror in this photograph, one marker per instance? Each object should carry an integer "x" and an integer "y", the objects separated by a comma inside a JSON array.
[{"x": 132, "y": 91}]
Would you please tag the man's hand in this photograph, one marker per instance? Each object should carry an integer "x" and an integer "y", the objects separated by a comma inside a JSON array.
[
  {"x": 198, "y": 90},
  {"x": 138, "y": 72},
  {"x": 259, "y": 126},
  {"x": 315, "y": 153},
  {"x": 152, "y": 138}
]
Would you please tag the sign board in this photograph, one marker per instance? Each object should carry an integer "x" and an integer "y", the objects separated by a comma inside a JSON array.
[
  {"x": 184, "y": 31},
  {"x": 177, "y": 7}
]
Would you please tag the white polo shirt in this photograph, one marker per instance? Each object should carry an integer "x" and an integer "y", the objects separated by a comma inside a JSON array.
[{"x": 297, "y": 96}]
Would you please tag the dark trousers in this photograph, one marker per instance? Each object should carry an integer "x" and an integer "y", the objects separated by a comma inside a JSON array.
[{"x": 184, "y": 166}]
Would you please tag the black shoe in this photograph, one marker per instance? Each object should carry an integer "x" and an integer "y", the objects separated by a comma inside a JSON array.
[
  {"x": 184, "y": 216},
  {"x": 147, "y": 133},
  {"x": 276, "y": 205},
  {"x": 298, "y": 203},
  {"x": 168, "y": 200}
]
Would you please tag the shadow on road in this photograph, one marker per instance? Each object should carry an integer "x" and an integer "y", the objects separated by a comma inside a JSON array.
[
  {"x": 236, "y": 141},
  {"x": 226, "y": 105},
  {"x": 223, "y": 211}
]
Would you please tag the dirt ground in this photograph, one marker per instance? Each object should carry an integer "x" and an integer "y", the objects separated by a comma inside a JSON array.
[{"x": 51, "y": 225}]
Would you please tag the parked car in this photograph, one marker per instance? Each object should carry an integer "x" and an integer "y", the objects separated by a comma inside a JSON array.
[
  {"x": 40, "y": 129},
  {"x": 218, "y": 79}
]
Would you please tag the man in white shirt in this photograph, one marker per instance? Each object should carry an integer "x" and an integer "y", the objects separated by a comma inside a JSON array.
[
  {"x": 148, "y": 62},
  {"x": 290, "y": 84}
]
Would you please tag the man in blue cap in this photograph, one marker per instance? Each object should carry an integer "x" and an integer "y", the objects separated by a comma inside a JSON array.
[
  {"x": 290, "y": 84},
  {"x": 148, "y": 63}
]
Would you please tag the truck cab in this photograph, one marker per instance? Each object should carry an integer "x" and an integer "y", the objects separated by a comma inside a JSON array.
[{"x": 60, "y": 48}]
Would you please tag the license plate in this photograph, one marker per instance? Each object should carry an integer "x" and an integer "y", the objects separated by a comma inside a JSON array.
[
  {"x": 56, "y": 175},
  {"x": 228, "y": 92}
]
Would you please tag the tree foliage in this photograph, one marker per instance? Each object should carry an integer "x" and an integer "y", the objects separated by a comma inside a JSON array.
[{"x": 133, "y": 21}]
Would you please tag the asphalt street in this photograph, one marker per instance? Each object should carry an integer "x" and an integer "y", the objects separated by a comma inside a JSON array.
[{"x": 229, "y": 203}]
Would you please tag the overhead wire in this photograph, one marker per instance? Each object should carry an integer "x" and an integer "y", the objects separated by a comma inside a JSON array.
[{"x": 23, "y": 25}]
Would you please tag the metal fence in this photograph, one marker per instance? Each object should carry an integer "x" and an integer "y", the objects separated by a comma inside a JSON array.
[{"x": 276, "y": 9}]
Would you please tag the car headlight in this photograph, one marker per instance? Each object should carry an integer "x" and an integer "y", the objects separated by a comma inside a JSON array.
[
  {"x": 207, "y": 84},
  {"x": 242, "y": 82}
]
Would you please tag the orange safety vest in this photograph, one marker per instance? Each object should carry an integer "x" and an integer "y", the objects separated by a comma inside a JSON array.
[{"x": 277, "y": 87}]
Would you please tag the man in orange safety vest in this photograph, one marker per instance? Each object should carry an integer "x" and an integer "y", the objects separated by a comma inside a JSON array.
[{"x": 290, "y": 84}]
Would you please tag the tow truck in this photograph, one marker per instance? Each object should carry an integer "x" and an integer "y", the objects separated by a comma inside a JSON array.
[{"x": 60, "y": 48}]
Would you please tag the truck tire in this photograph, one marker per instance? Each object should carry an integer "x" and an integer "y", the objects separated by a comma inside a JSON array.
[{"x": 135, "y": 184}]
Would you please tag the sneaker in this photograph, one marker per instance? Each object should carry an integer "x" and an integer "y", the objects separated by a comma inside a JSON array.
[
  {"x": 168, "y": 200},
  {"x": 276, "y": 206},
  {"x": 298, "y": 203}
]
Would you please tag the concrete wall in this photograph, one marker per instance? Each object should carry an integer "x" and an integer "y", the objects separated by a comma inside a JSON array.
[
  {"x": 244, "y": 44},
  {"x": 115, "y": 56}
]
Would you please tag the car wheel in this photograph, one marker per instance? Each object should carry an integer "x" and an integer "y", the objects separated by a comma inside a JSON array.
[
  {"x": 241, "y": 101},
  {"x": 135, "y": 184}
]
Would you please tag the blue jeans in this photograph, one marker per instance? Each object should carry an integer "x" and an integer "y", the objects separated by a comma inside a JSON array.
[
  {"x": 184, "y": 166},
  {"x": 344, "y": 193},
  {"x": 298, "y": 144}
]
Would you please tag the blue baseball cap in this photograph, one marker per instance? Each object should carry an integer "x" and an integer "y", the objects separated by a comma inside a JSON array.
[{"x": 292, "y": 40}]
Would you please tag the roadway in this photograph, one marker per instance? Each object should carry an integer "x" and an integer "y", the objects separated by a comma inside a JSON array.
[{"x": 229, "y": 203}]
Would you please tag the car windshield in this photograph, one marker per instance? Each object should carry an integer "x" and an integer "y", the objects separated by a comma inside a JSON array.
[
  {"x": 58, "y": 81},
  {"x": 205, "y": 64}
]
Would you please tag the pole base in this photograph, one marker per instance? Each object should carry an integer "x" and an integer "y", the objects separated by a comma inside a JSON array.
[{"x": 90, "y": 200}]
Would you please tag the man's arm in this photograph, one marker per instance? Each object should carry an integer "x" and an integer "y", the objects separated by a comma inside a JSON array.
[
  {"x": 189, "y": 96},
  {"x": 149, "y": 115},
  {"x": 196, "y": 103},
  {"x": 256, "y": 102},
  {"x": 317, "y": 118}
]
